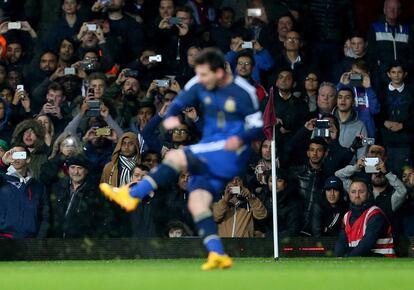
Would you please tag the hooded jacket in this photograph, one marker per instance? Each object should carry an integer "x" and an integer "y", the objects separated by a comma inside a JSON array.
[
  {"x": 111, "y": 170},
  {"x": 40, "y": 152}
]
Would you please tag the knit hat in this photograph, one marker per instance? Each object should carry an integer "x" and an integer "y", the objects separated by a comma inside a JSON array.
[
  {"x": 4, "y": 145},
  {"x": 79, "y": 160}
]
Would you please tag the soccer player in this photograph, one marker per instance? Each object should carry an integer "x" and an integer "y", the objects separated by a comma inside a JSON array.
[{"x": 231, "y": 121}]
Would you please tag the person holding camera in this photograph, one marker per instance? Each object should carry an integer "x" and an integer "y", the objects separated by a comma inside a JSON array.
[
  {"x": 389, "y": 192},
  {"x": 366, "y": 102},
  {"x": 24, "y": 201},
  {"x": 20, "y": 107},
  {"x": 236, "y": 211}
]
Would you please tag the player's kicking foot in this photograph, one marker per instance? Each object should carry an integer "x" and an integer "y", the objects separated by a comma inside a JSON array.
[
  {"x": 120, "y": 195},
  {"x": 217, "y": 261}
]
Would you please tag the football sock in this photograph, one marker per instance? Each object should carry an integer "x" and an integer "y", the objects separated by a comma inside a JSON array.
[
  {"x": 207, "y": 229},
  {"x": 164, "y": 174}
]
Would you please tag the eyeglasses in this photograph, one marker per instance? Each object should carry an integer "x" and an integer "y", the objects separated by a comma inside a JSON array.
[
  {"x": 244, "y": 63},
  {"x": 293, "y": 39},
  {"x": 180, "y": 131}
]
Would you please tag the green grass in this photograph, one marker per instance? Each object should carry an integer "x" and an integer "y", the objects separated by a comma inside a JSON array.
[{"x": 180, "y": 274}]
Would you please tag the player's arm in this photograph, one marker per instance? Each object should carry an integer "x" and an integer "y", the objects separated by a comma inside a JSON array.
[{"x": 186, "y": 98}]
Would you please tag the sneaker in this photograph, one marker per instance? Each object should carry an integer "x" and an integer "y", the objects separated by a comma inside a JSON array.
[
  {"x": 217, "y": 261},
  {"x": 120, "y": 195}
]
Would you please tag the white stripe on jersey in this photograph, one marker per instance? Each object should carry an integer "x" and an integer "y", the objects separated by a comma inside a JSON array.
[
  {"x": 207, "y": 147},
  {"x": 191, "y": 82},
  {"x": 242, "y": 83}
]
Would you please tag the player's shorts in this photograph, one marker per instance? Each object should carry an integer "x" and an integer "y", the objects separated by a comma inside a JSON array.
[{"x": 211, "y": 167}]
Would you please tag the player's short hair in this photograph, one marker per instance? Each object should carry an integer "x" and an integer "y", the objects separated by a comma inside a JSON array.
[{"x": 212, "y": 56}]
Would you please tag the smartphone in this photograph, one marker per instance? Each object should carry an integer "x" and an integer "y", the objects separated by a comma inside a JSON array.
[
  {"x": 69, "y": 71},
  {"x": 254, "y": 12},
  {"x": 20, "y": 88},
  {"x": 368, "y": 141},
  {"x": 19, "y": 155},
  {"x": 175, "y": 21},
  {"x": 106, "y": 131},
  {"x": 322, "y": 128},
  {"x": 155, "y": 58},
  {"x": 131, "y": 73},
  {"x": 370, "y": 165},
  {"x": 91, "y": 26},
  {"x": 247, "y": 45},
  {"x": 91, "y": 92},
  {"x": 14, "y": 25},
  {"x": 355, "y": 79},
  {"x": 163, "y": 83},
  {"x": 51, "y": 102},
  {"x": 235, "y": 190}
]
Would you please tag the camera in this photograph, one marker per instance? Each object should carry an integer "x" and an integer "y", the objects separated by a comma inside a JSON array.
[
  {"x": 105, "y": 2},
  {"x": 368, "y": 141},
  {"x": 131, "y": 73},
  {"x": 370, "y": 165},
  {"x": 106, "y": 131},
  {"x": 51, "y": 102},
  {"x": 88, "y": 66},
  {"x": 163, "y": 83},
  {"x": 175, "y": 21},
  {"x": 254, "y": 12},
  {"x": 235, "y": 190},
  {"x": 322, "y": 128},
  {"x": 20, "y": 155},
  {"x": 14, "y": 25},
  {"x": 355, "y": 79},
  {"x": 155, "y": 58},
  {"x": 69, "y": 71},
  {"x": 94, "y": 108},
  {"x": 91, "y": 26},
  {"x": 247, "y": 45}
]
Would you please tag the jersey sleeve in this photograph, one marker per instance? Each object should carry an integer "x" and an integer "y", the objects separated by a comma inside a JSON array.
[
  {"x": 188, "y": 96},
  {"x": 249, "y": 108}
]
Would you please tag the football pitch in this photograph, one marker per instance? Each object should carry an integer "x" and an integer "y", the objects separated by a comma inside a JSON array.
[{"x": 180, "y": 274}]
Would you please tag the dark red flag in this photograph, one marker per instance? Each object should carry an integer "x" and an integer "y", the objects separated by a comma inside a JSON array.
[{"x": 269, "y": 117}]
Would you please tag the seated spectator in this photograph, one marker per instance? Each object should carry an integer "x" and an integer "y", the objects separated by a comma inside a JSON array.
[
  {"x": 349, "y": 124},
  {"x": 264, "y": 164},
  {"x": 31, "y": 134},
  {"x": 24, "y": 201},
  {"x": 397, "y": 129},
  {"x": 288, "y": 206},
  {"x": 366, "y": 230},
  {"x": 236, "y": 211},
  {"x": 329, "y": 209},
  {"x": 124, "y": 158},
  {"x": 284, "y": 24},
  {"x": 366, "y": 102},
  {"x": 75, "y": 202}
]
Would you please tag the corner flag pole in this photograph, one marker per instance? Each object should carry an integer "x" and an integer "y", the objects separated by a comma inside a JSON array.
[{"x": 274, "y": 197}]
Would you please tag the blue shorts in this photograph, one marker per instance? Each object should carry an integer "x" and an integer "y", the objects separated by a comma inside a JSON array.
[{"x": 211, "y": 167}]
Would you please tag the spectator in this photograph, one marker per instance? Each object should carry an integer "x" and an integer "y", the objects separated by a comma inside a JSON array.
[
  {"x": 366, "y": 103},
  {"x": 236, "y": 211},
  {"x": 309, "y": 178},
  {"x": 124, "y": 158},
  {"x": 75, "y": 202},
  {"x": 365, "y": 230},
  {"x": 151, "y": 159},
  {"x": 326, "y": 100},
  {"x": 350, "y": 126},
  {"x": 25, "y": 204},
  {"x": 31, "y": 134},
  {"x": 6, "y": 129},
  {"x": 222, "y": 32},
  {"x": 288, "y": 206},
  {"x": 329, "y": 209},
  {"x": 48, "y": 127},
  {"x": 389, "y": 41},
  {"x": 310, "y": 94},
  {"x": 397, "y": 129},
  {"x": 262, "y": 58},
  {"x": 4, "y": 147}
]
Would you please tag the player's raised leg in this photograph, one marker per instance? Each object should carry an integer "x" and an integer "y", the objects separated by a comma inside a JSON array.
[
  {"x": 128, "y": 197},
  {"x": 199, "y": 205}
]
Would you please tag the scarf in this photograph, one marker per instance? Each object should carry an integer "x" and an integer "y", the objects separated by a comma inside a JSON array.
[{"x": 127, "y": 164}]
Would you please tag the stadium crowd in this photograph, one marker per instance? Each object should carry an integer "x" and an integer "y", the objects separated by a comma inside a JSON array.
[{"x": 84, "y": 91}]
